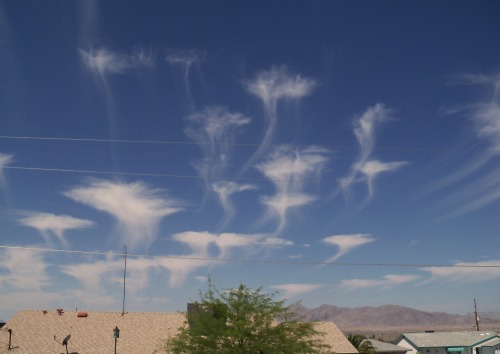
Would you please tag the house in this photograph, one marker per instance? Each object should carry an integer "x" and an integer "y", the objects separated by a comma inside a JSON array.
[
  {"x": 386, "y": 348},
  {"x": 36, "y": 331},
  {"x": 465, "y": 342}
]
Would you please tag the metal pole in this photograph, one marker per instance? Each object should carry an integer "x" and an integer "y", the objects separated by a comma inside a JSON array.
[
  {"x": 116, "y": 335},
  {"x": 124, "y": 275},
  {"x": 10, "y": 338},
  {"x": 476, "y": 315}
]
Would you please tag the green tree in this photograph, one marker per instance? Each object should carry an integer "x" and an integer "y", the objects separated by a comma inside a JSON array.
[
  {"x": 360, "y": 342},
  {"x": 246, "y": 321}
]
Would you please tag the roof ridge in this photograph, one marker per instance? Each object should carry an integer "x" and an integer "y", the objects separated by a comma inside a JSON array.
[{"x": 105, "y": 311}]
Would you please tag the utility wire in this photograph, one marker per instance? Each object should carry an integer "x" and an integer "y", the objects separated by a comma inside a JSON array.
[
  {"x": 171, "y": 175},
  {"x": 163, "y": 142},
  {"x": 248, "y": 260},
  {"x": 127, "y": 173}
]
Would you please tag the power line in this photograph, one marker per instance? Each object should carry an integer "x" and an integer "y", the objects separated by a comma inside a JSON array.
[
  {"x": 185, "y": 142},
  {"x": 248, "y": 260},
  {"x": 142, "y": 174},
  {"x": 172, "y": 175}
]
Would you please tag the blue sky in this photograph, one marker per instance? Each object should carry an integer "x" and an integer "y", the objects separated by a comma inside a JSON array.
[{"x": 254, "y": 142}]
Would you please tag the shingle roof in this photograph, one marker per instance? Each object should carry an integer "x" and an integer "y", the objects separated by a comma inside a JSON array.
[
  {"x": 383, "y": 347},
  {"x": 335, "y": 338},
  {"x": 448, "y": 339},
  {"x": 140, "y": 332}
]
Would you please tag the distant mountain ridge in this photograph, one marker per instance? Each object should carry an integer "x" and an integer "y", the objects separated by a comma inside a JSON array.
[{"x": 388, "y": 315}]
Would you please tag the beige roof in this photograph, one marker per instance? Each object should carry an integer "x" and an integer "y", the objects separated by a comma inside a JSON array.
[
  {"x": 447, "y": 339},
  {"x": 140, "y": 332},
  {"x": 335, "y": 338}
]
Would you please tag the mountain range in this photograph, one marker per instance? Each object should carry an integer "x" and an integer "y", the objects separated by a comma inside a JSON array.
[{"x": 391, "y": 316}]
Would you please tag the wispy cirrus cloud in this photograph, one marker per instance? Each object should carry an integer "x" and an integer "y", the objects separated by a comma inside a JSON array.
[
  {"x": 214, "y": 130},
  {"x": 5, "y": 160},
  {"x": 346, "y": 243},
  {"x": 463, "y": 202},
  {"x": 373, "y": 168},
  {"x": 486, "y": 114},
  {"x": 294, "y": 290},
  {"x": 180, "y": 268},
  {"x": 365, "y": 169},
  {"x": 105, "y": 62},
  {"x": 470, "y": 272},
  {"x": 200, "y": 242},
  {"x": 290, "y": 170},
  {"x": 388, "y": 281},
  {"x": 99, "y": 277},
  {"x": 480, "y": 168},
  {"x": 89, "y": 15},
  {"x": 271, "y": 86},
  {"x": 50, "y": 224},
  {"x": 276, "y": 242},
  {"x": 94, "y": 274},
  {"x": 224, "y": 191},
  {"x": 184, "y": 60},
  {"x": 23, "y": 270},
  {"x": 137, "y": 208}
]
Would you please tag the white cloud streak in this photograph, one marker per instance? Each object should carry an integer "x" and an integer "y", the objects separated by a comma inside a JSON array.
[
  {"x": 472, "y": 199},
  {"x": 185, "y": 59},
  {"x": 466, "y": 272},
  {"x": 93, "y": 275},
  {"x": 201, "y": 242},
  {"x": 373, "y": 168},
  {"x": 104, "y": 62},
  {"x": 272, "y": 86},
  {"x": 486, "y": 119},
  {"x": 137, "y": 208},
  {"x": 346, "y": 243},
  {"x": 96, "y": 276},
  {"x": 291, "y": 170},
  {"x": 224, "y": 191},
  {"x": 388, "y": 281},
  {"x": 365, "y": 169},
  {"x": 57, "y": 225},
  {"x": 22, "y": 270},
  {"x": 5, "y": 159},
  {"x": 89, "y": 15},
  {"x": 294, "y": 290},
  {"x": 214, "y": 130}
]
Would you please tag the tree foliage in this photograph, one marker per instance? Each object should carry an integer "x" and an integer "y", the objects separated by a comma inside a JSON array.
[
  {"x": 246, "y": 321},
  {"x": 361, "y": 344}
]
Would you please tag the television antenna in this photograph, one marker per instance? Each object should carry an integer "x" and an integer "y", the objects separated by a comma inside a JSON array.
[{"x": 64, "y": 342}]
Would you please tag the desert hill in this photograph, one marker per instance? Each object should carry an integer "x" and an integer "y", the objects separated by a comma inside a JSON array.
[{"x": 395, "y": 318}]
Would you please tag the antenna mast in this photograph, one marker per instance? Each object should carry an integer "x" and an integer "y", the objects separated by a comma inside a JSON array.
[
  {"x": 125, "y": 275},
  {"x": 476, "y": 315}
]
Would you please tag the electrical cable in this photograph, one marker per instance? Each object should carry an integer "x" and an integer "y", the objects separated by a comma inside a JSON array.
[
  {"x": 164, "y": 142},
  {"x": 250, "y": 260},
  {"x": 170, "y": 175}
]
